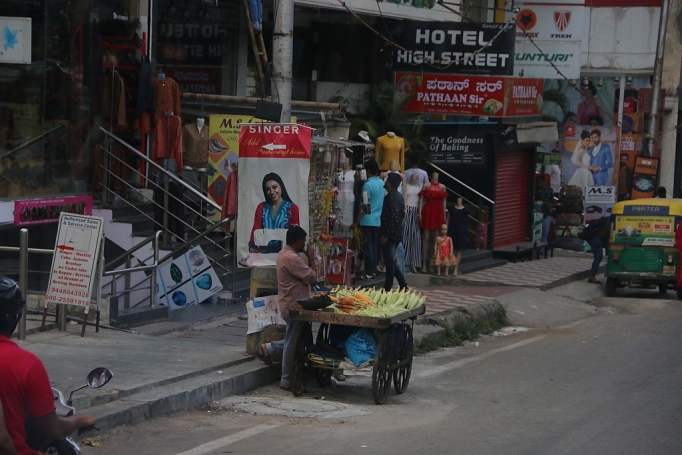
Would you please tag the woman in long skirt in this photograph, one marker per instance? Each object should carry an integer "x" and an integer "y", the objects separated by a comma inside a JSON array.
[{"x": 412, "y": 240}]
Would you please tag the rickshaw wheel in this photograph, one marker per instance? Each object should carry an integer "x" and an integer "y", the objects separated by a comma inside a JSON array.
[
  {"x": 663, "y": 288},
  {"x": 611, "y": 286},
  {"x": 299, "y": 364},
  {"x": 381, "y": 376},
  {"x": 323, "y": 376},
  {"x": 401, "y": 375}
]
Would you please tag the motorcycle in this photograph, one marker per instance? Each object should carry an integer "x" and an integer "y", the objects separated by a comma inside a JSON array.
[{"x": 64, "y": 408}]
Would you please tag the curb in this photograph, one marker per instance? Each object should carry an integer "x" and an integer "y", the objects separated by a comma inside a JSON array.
[
  {"x": 436, "y": 281},
  {"x": 433, "y": 330},
  {"x": 180, "y": 396}
]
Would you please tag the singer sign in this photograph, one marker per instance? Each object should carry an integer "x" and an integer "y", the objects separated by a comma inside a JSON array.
[{"x": 468, "y": 95}]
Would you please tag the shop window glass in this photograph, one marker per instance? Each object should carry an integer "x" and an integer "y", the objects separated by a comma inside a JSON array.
[
  {"x": 196, "y": 43},
  {"x": 51, "y": 109}
]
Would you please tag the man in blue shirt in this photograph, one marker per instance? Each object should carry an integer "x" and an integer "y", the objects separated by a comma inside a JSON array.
[
  {"x": 370, "y": 222},
  {"x": 601, "y": 159}
]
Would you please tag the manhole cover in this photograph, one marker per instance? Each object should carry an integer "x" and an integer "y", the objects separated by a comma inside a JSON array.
[{"x": 303, "y": 407}]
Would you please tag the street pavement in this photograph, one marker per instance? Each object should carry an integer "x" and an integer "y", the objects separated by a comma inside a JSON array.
[{"x": 168, "y": 367}]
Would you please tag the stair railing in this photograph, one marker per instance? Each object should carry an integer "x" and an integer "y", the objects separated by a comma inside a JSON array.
[
  {"x": 480, "y": 207},
  {"x": 178, "y": 243}
]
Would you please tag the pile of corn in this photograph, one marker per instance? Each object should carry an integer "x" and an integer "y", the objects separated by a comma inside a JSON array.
[{"x": 373, "y": 302}]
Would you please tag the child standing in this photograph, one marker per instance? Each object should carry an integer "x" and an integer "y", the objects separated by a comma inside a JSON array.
[{"x": 443, "y": 251}]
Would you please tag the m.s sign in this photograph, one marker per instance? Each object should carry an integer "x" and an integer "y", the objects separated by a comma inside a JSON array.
[{"x": 441, "y": 47}]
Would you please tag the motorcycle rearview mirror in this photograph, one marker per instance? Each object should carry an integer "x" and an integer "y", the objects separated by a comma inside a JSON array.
[{"x": 96, "y": 379}]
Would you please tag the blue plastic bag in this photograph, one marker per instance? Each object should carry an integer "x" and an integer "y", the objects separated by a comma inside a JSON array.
[{"x": 360, "y": 347}]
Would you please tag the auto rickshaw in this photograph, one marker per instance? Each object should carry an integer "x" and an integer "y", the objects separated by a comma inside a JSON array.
[{"x": 642, "y": 251}]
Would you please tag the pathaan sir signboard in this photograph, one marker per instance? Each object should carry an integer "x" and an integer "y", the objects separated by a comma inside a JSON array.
[
  {"x": 489, "y": 96},
  {"x": 458, "y": 47}
]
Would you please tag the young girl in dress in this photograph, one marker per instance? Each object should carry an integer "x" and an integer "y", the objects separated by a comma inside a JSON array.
[{"x": 443, "y": 251}]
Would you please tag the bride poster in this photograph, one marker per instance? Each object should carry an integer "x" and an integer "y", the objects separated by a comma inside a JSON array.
[
  {"x": 274, "y": 165},
  {"x": 591, "y": 160},
  {"x": 590, "y": 156}
]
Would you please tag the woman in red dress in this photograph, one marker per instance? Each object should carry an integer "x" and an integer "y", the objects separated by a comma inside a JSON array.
[{"x": 431, "y": 214}]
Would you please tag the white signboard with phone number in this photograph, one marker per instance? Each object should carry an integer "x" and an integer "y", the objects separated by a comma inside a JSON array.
[{"x": 75, "y": 260}]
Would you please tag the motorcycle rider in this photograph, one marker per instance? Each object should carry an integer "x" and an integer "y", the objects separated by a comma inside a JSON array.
[
  {"x": 6, "y": 446},
  {"x": 24, "y": 386}
]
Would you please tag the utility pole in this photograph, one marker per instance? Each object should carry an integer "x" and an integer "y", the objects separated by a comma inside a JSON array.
[
  {"x": 282, "y": 56},
  {"x": 658, "y": 74}
]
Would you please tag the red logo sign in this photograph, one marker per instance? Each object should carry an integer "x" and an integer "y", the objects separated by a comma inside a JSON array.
[
  {"x": 526, "y": 19},
  {"x": 562, "y": 19},
  {"x": 275, "y": 140}
]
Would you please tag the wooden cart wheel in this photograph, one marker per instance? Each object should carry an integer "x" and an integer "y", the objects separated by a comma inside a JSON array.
[
  {"x": 405, "y": 349},
  {"x": 323, "y": 376},
  {"x": 299, "y": 373},
  {"x": 381, "y": 376}
]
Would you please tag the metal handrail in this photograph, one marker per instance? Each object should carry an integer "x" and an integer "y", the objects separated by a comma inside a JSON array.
[
  {"x": 168, "y": 173},
  {"x": 190, "y": 242},
  {"x": 463, "y": 184},
  {"x": 144, "y": 268},
  {"x": 32, "y": 141},
  {"x": 130, "y": 251}
]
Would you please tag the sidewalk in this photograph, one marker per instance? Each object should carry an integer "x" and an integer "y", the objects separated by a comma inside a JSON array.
[{"x": 178, "y": 365}]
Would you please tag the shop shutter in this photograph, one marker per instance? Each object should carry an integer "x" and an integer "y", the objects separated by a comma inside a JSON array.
[{"x": 511, "y": 198}]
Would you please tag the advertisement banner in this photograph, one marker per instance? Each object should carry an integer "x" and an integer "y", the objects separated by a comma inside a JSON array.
[
  {"x": 557, "y": 29},
  {"x": 530, "y": 62},
  {"x": 590, "y": 156},
  {"x": 645, "y": 230},
  {"x": 223, "y": 154},
  {"x": 47, "y": 210},
  {"x": 644, "y": 180},
  {"x": 274, "y": 166},
  {"x": 15, "y": 40},
  {"x": 451, "y": 47},
  {"x": 465, "y": 149},
  {"x": 554, "y": 23},
  {"x": 187, "y": 280},
  {"x": 468, "y": 95},
  {"x": 600, "y": 195},
  {"x": 74, "y": 262}
]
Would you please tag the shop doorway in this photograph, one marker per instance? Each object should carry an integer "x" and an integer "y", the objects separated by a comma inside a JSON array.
[{"x": 512, "y": 188}]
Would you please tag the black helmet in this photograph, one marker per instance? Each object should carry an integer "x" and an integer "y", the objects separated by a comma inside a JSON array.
[{"x": 11, "y": 305}]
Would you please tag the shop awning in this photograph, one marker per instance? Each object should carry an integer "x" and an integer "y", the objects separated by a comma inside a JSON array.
[{"x": 536, "y": 132}]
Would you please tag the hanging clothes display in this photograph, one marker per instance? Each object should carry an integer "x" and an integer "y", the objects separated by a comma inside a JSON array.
[
  {"x": 145, "y": 89},
  {"x": 114, "y": 99},
  {"x": 457, "y": 227},
  {"x": 166, "y": 97},
  {"x": 433, "y": 215},
  {"x": 167, "y": 142},
  {"x": 345, "y": 201},
  {"x": 195, "y": 146},
  {"x": 230, "y": 198},
  {"x": 412, "y": 239},
  {"x": 390, "y": 148}
]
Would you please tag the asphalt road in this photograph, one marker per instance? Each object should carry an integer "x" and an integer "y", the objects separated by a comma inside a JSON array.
[{"x": 607, "y": 384}]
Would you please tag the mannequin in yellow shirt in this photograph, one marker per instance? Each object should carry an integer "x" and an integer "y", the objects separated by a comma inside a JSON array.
[{"x": 390, "y": 147}]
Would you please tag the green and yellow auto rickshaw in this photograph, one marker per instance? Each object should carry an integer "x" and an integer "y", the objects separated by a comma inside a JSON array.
[{"x": 642, "y": 250}]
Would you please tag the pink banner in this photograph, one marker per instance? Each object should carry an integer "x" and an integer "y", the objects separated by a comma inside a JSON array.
[{"x": 42, "y": 211}]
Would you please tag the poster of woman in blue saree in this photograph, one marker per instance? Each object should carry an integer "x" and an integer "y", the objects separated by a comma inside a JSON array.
[{"x": 277, "y": 211}]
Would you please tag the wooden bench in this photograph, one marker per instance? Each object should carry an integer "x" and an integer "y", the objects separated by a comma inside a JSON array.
[{"x": 523, "y": 249}]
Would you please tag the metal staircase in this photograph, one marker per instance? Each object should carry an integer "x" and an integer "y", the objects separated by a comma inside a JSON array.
[{"x": 145, "y": 234}]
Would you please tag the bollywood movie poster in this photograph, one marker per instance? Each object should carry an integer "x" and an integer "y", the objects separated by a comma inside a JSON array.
[
  {"x": 274, "y": 165},
  {"x": 591, "y": 159},
  {"x": 223, "y": 154}
]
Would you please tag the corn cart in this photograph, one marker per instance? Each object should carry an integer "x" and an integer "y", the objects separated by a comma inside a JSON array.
[{"x": 394, "y": 349}]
